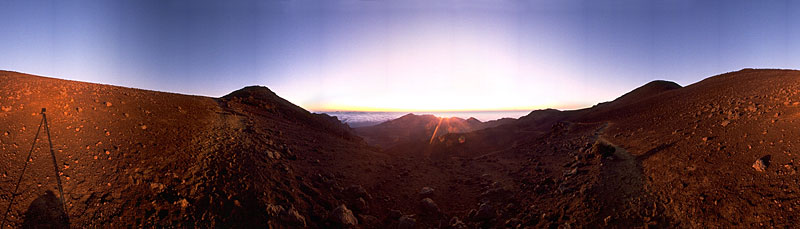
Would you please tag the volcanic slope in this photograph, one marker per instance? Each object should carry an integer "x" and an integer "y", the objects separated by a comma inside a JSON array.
[
  {"x": 146, "y": 158},
  {"x": 718, "y": 153}
]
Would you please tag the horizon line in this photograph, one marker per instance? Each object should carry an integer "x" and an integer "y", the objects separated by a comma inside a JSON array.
[{"x": 532, "y": 108}]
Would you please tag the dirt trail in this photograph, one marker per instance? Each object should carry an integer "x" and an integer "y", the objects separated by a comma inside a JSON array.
[{"x": 626, "y": 199}]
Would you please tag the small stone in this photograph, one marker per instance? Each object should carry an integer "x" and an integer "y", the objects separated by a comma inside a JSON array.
[
  {"x": 144, "y": 127},
  {"x": 343, "y": 216},
  {"x": 485, "y": 212},
  {"x": 183, "y": 203},
  {"x": 395, "y": 214},
  {"x": 108, "y": 104},
  {"x": 361, "y": 205},
  {"x": 157, "y": 187},
  {"x": 456, "y": 223},
  {"x": 273, "y": 154},
  {"x": 293, "y": 217},
  {"x": 426, "y": 192},
  {"x": 429, "y": 207},
  {"x": 602, "y": 149},
  {"x": 513, "y": 223},
  {"x": 725, "y": 123},
  {"x": 6, "y": 109},
  {"x": 762, "y": 163},
  {"x": 570, "y": 172},
  {"x": 356, "y": 191},
  {"x": 274, "y": 210},
  {"x": 368, "y": 220}
]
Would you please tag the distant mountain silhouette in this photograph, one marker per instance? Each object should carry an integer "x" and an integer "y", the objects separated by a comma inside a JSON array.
[{"x": 421, "y": 128}]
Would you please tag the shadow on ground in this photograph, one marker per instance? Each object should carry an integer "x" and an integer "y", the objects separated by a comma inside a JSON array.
[{"x": 46, "y": 211}]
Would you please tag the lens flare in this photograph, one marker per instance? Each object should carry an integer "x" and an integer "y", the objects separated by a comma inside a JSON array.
[{"x": 436, "y": 130}]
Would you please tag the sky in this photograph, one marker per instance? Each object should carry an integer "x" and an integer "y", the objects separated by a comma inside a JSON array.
[{"x": 389, "y": 55}]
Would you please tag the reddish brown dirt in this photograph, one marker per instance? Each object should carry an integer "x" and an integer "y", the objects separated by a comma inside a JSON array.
[{"x": 660, "y": 156}]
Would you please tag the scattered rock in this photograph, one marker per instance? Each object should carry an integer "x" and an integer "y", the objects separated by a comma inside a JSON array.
[
  {"x": 513, "y": 223},
  {"x": 428, "y": 206},
  {"x": 456, "y": 223},
  {"x": 273, "y": 154},
  {"x": 603, "y": 149},
  {"x": 395, "y": 214},
  {"x": 426, "y": 192},
  {"x": 471, "y": 214},
  {"x": 762, "y": 163},
  {"x": 183, "y": 203},
  {"x": 725, "y": 123},
  {"x": 357, "y": 191},
  {"x": 361, "y": 205},
  {"x": 274, "y": 210},
  {"x": 293, "y": 217},
  {"x": 6, "y": 109},
  {"x": 343, "y": 216},
  {"x": 406, "y": 222},
  {"x": 157, "y": 187},
  {"x": 368, "y": 220},
  {"x": 485, "y": 212},
  {"x": 108, "y": 104},
  {"x": 570, "y": 172}
]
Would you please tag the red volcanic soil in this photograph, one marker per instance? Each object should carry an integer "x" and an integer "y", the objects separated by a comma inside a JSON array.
[{"x": 717, "y": 153}]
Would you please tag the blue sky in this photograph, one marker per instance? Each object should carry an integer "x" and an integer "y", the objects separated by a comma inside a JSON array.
[{"x": 399, "y": 55}]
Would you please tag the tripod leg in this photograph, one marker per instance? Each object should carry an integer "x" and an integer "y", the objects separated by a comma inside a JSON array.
[
  {"x": 24, "y": 167},
  {"x": 55, "y": 164}
]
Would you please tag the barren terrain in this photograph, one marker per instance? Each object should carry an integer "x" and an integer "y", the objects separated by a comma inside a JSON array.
[{"x": 717, "y": 153}]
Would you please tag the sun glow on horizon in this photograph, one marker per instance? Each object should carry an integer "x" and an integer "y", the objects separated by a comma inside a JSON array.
[{"x": 420, "y": 68}]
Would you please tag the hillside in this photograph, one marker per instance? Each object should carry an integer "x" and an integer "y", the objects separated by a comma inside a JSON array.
[
  {"x": 137, "y": 157},
  {"x": 717, "y": 153}
]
